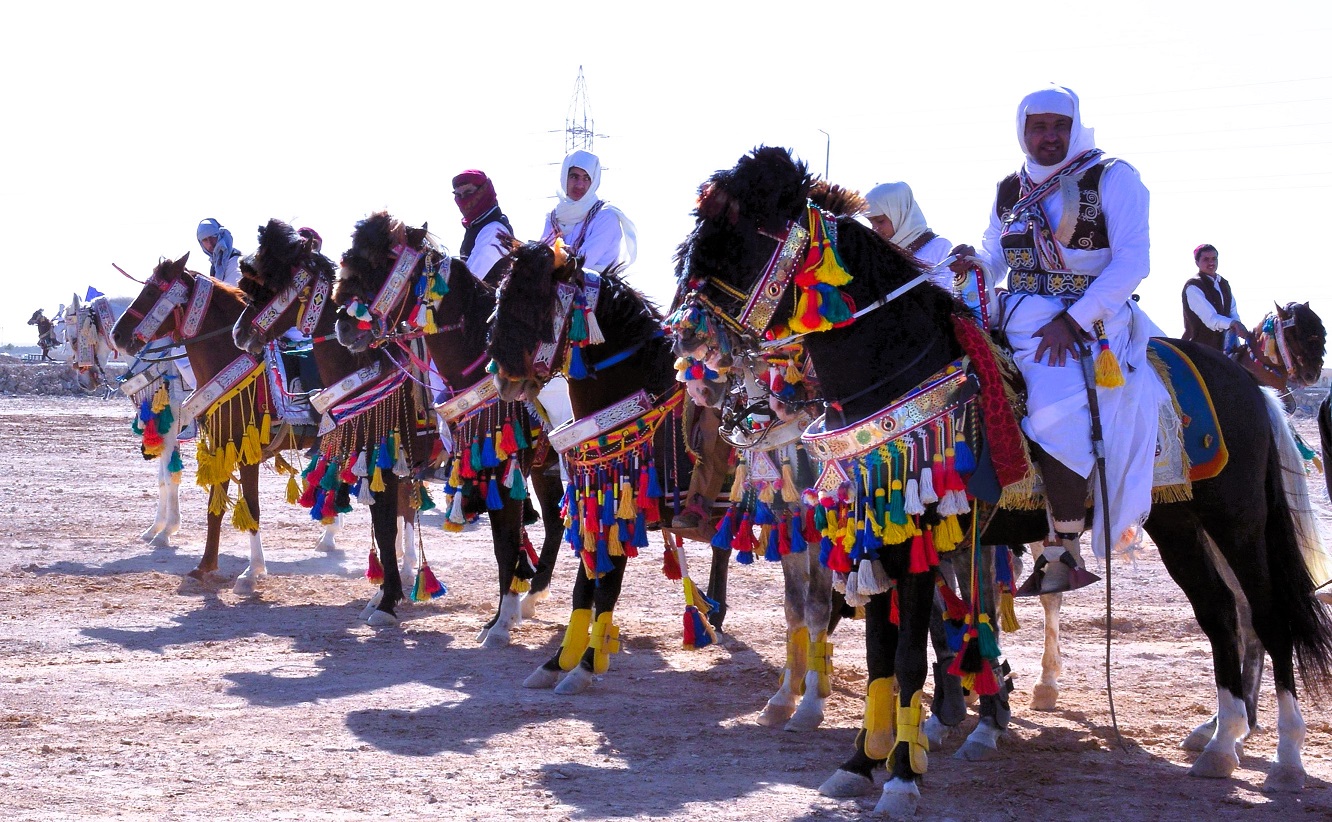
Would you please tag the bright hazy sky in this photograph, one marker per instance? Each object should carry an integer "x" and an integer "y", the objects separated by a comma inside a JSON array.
[{"x": 126, "y": 123}]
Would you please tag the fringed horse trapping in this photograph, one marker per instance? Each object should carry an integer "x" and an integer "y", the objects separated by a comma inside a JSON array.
[
  {"x": 624, "y": 448},
  {"x": 763, "y": 418},
  {"x": 369, "y": 429},
  {"x": 235, "y": 425},
  {"x": 920, "y": 363},
  {"x": 88, "y": 329},
  {"x": 494, "y": 445}
]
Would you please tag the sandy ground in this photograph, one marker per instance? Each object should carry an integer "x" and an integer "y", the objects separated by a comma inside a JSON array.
[{"x": 128, "y": 691}]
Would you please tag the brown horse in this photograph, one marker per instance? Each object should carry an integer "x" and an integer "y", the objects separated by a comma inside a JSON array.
[
  {"x": 197, "y": 311},
  {"x": 1287, "y": 350}
]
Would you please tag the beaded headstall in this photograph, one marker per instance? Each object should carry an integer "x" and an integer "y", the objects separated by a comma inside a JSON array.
[{"x": 314, "y": 296}]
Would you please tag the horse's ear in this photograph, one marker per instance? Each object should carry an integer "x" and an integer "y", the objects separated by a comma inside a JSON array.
[
  {"x": 508, "y": 242},
  {"x": 181, "y": 262},
  {"x": 1281, "y": 312}
]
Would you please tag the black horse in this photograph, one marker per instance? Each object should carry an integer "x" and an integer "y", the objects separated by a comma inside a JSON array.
[
  {"x": 1241, "y": 518},
  {"x": 630, "y": 459},
  {"x": 46, "y": 338},
  {"x": 460, "y": 307}
]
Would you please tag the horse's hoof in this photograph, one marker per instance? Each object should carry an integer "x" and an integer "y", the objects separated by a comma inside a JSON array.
[
  {"x": 844, "y": 784},
  {"x": 495, "y": 638},
  {"x": 543, "y": 678},
  {"x": 1284, "y": 779},
  {"x": 213, "y": 577},
  {"x": 982, "y": 744},
  {"x": 245, "y": 586},
  {"x": 775, "y": 715},
  {"x": 161, "y": 540},
  {"x": 1213, "y": 765},
  {"x": 328, "y": 544},
  {"x": 805, "y": 720},
  {"x": 149, "y": 535},
  {"x": 937, "y": 732},
  {"x": 1198, "y": 738},
  {"x": 1044, "y": 697},
  {"x": 574, "y": 682},
  {"x": 381, "y": 619},
  {"x": 531, "y": 601},
  {"x": 482, "y": 634},
  {"x": 899, "y": 800},
  {"x": 372, "y": 605}
]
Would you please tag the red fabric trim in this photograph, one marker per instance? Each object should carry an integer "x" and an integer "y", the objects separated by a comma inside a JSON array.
[{"x": 1007, "y": 446}]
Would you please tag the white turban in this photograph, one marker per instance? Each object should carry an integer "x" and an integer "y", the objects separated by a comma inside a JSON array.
[
  {"x": 1053, "y": 100},
  {"x": 570, "y": 212},
  {"x": 896, "y": 202}
]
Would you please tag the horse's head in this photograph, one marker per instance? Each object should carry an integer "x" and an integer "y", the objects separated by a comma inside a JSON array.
[
  {"x": 37, "y": 318},
  {"x": 1307, "y": 341},
  {"x": 284, "y": 280},
  {"x": 368, "y": 305},
  {"x": 525, "y": 316},
  {"x": 153, "y": 314}
]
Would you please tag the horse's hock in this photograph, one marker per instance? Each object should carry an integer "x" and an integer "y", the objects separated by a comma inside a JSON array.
[{"x": 51, "y": 379}]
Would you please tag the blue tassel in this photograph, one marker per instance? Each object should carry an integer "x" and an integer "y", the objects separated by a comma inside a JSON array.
[
  {"x": 798, "y": 544},
  {"x": 654, "y": 486},
  {"x": 1003, "y": 568},
  {"x": 571, "y": 535},
  {"x": 640, "y": 530},
  {"x": 577, "y": 371},
  {"x": 955, "y": 632},
  {"x": 702, "y": 638},
  {"x": 825, "y": 551},
  {"x": 488, "y": 457},
  {"x": 858, "y": 548},
  {"x": 744, "y": 557},
  {"x": 626, "y": 536},
  {"x": 763, "y": 515},
  {"x": 725, "y": 531},
  {"x": 383, "y": 458},
  {"x": 604, "y": 564},
  {"x": 773, "y": 554},
  {"x": 963, "y": 460},
  {"x": 493, "y": 499},
  {"x": 318, "y": 505},
  {"x": 146, "y": 410}
]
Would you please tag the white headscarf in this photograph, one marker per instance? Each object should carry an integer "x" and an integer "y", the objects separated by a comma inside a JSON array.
[
  {"x": 1053, "y": 100},
  {"x": 896, "y": 202},
  {"x": 569, "y": 211}
]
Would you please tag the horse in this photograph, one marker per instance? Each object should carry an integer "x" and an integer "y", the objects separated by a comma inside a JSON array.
[
  {"x": 765, "y": 403},
  {"x": 625, "y": 446},
  {"x": 777, "y": 252},
  {"x": 510, "y": 442},
  {"x": 1287, "y": 350},
  {"x": 193, "y": 309},
  {"x": 45, "y": 333}
]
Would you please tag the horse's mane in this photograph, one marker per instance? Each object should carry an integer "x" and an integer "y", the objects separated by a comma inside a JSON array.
[
  {"x": 370, "y": 259},
  {"x": 281, "y": 250},
  {"x": 474, "y": 298},
  {"x": 526, "y": 302}
]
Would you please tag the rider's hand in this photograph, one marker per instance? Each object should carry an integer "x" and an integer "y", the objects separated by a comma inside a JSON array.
[
  {"x": 1241, "y": 332},
  {"x": 1060, "y": 338},
  {"x": 962, "y": 252}
]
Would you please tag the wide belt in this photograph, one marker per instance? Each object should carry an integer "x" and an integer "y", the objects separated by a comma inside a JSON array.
[{"x": 1047, "y": 284}]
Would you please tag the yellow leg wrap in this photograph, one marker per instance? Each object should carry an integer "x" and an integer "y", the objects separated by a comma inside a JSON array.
[
  {"x": 820, "y": 661},
  {"x": 797, "y": 661},
  {"x": 880, "y": 717},
  {"x": 910, "y": 732},
  {"x": 605, "y": 641},
  {"x": 575, "y": 638}
]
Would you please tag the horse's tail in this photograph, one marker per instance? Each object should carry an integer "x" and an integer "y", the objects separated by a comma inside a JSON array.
[
  {"x": 1297, "y": 561},
  {"x": 1325, "y": 435}
]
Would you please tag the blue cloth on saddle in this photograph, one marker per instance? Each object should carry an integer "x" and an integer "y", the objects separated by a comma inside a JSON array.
[{"x": 1202, "y": 432}]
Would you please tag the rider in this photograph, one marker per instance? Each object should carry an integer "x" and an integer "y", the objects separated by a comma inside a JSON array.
[
  {"x": 1070, "y": 228},
  {"x": 895, "y": 216},
  {"x": 483, "y": 224},
  {"x": 1209, "y": 306},
  {"x": 593, "y": 229},
  {"x": 224, "y": 261}
]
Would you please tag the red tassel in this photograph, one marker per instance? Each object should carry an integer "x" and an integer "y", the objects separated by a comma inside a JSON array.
[
  {"x": 508, "y": 442},
  {"x": 893, "y": 615},
  {"x": 670, "y": 564},
  {"x": 784, "y": 536},
  {"x": 919, "y": 562},
  {"x": 954, "y": 608},
  {"x": 985, "y": 684},
  {"x": 374, "y": 571},
  {"x": 931, "y": 555}
]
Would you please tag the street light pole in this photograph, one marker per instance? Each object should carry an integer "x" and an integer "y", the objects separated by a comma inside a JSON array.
[{"x": 827, "y": 154}]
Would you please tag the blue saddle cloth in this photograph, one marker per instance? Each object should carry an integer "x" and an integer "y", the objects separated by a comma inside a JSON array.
[{"x": 1202, "y": 432}]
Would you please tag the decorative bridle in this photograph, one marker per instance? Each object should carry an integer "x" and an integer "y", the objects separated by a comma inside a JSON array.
[
  {"x": 310, "y": 289},
  {"x": 1272, "y": 351},
  {"x": 189, "y": 304}
]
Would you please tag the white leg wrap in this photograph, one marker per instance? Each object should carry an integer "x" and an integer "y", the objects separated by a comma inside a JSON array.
[
  {"x": 1287, "y": 775},
  {"x": 1220, "y": 757}
]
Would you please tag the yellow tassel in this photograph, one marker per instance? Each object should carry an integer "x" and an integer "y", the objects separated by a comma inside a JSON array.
[
  {"x": 229, "y": 459},
  {"x": 793, "y": 375},
  {"x": 241, "y": 519},
  {"x": 738, "y": 486},
  {"x": 519, "y": 586},
  {"x": 455, "y": 476},
  {"x": 1108, "y": 372},
  {"x": 250, "y": 451},
  {"x": 281, "y": 466},
  {"x": 627, "y": 510},
  {"x": 1008, "y": 621},
  {"x": 767, "y": 493},
  {"x": 377, "y": 482},
  {"x": 266, "y": 429},
  {"x": 217, "y": 501},
  {"x": 613, "y": 545},
  {"x": 293, "y": 490},
  {"x": 430, "y": 327},
  {"x": 161, "y": 399},
  {"x": 790, "y": 493}
]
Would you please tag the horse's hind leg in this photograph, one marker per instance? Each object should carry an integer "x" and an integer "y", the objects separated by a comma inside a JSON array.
[
  {"x": 781, "y": 706},
  {"x": 816, "y": 584},
  {"x": 249, "y": 491},
  {"x": 1045, "y": 695},
  {"x": 948, "y": 706},
  {"x": 1181, "y": 540},
  {"x": 604, "y": 639},
  {"x": 505, "y": 533},
  {"x": 384, "y": 525}
]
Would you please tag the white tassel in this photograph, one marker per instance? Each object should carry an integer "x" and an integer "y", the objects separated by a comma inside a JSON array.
[
  {"x": 947, "y": 504},
  {"x": 960, "y": 502},
  {"x": 365, "y": 496},
  {"x": 871, "y": 579},
  {"x": 358, "y": 468},
  {"x": 400, "y": 467},
  {"x": 927, "y": 493},
  {"x": 913, "y": 505},
  {"x": 594, "y": 335},
  {"x": 839, "y": 582},
  {"x": 456, "y": 511}
]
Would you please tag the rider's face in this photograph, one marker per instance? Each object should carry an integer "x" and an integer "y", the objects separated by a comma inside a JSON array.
[
  {"x": 1047, "y": 137},
  {"x": 578, "y": 182}
]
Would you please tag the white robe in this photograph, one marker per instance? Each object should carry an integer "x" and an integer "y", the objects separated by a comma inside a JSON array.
[
  {"x": 1058, "y": 418},
  {"x": 605, "y": 244},
  {"x": 486, "y": 251}
]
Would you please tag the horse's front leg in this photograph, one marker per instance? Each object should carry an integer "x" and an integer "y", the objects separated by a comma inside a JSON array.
[
  {"x": 878, "y": 730},
  {"x": 249, "y": 492},
  {"x": 604, "y": 639},
  {"x": 206, "y": 570},
  {"x": 1045, "y": 695},
  {"x": 901, "y": 792},
  {"x": 792, "y": 684},
  {"x": 816, "y": 584},
  {"x": 506, "y": 525},
  {"x": 411, "y": 560},
  {"x": 384, "y": 524}
]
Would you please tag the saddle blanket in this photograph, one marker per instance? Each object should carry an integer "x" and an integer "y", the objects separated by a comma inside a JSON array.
[{"x": 1200, "y": 431}]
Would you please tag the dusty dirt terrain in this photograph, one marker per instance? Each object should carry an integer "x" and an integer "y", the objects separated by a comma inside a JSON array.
[{"x": 129, "y": 691}]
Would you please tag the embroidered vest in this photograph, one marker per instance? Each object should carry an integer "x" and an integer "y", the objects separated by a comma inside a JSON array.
[
  {"x": 1089, "y": 233},
  {"x": 1194, "y": 328}
]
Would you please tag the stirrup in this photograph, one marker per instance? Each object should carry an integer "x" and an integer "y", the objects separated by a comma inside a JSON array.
[{"x": 1071, "y": 580}]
